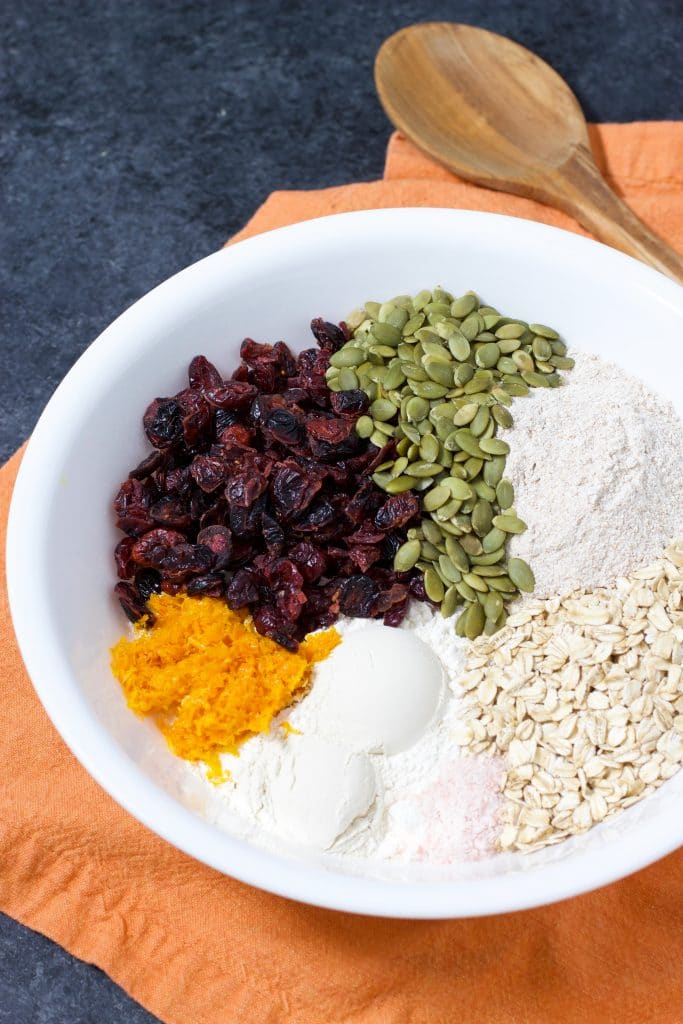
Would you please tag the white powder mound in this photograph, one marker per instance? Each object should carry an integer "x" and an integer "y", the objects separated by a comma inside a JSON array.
[
  {"x": 597, "y": 467},
  {"x": 338, "y": 790}
]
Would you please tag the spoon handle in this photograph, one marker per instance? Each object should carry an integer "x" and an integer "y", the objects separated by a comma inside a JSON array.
[{"x": 580, "y": 190}]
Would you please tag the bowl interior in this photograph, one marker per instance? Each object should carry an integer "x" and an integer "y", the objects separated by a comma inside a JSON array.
[{"x": 59, "y": 548}]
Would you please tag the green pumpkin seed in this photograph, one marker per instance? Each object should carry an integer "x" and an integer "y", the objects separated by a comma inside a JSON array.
[
  {"x": 471, "y": 326},
  {"x": 476, "y": 582},
  {"x": 535, "y": 380},
  {"x": 493, "y": 470},
  {"x": 450, "y": 602},
  {"x": 400, "y": 484},
  {"x": 541, "y": 349},
  {"x": 378, "y": 439},
  {"x": 428, "y": 389},
  {"x": 493, "y": 540},
  {"x": 502, "y": 583},
  {"x": 482, "y": 516},
  {"x": 434, "y": 588},
  {"x": 488, "y": 570},
  {"x": 480, "y": 422},
  {"x": 508, "y": 345},
  {"x": 487, "y": 355},
  {"x": 448, "y": 510},
  {"x": 438, "y": 371},
  {"x": 386, "y": 334},
  {"x": 509, "y": 524},
  {"x": 429, "y": 553},
  {"x": 473, "y": 467},
  {"x": 523, "y": 361},
  {"x": 515, "y": 389},
  {"x": 510, "y": 331},
  {"x": 544, "y": 332},
  {"x": 490, "y": 558},
  {"x": 406, "y": 556},
  {"x": 457, "y": 554},
  {"x": 429, "y": 448},
  {"x": 347, "y": 356},
  {"x": 382, "y": 410},
  {"x": 456, "y": 487},
  {"x": 506, "y": 365},
  {"x": 394, "y": 377},
  {"x": 436, "y": 498},
  {"x": 561, "y": 362},
  {"x": 521, "y": 574},
  {"x": 482, "y": 490},
  {"x": 505, "y": 493},
  {"x": 423, "y": 469},
  {"x": 466, "y": 591},
  {"x": 448, "y": 570},
  {"x": 474, "y": 621},
  {"x": 502, "y": 416},
  {"x": 463, "y": 306},
  {"x": 364, "y": 426},
  {"x": 465, "y": 414},
  {"x": 494, "y": 446},
  {"x": 467, "y": 443},
  {"x": 398, "y": 466},
  {"x": 471, "y": 545}
]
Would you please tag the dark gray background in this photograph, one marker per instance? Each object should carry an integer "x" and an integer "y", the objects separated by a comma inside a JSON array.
[{"x": 136, "y": 137}]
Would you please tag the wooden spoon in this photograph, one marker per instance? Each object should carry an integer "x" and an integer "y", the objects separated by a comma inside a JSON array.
[{"x": 496, "y": 114}]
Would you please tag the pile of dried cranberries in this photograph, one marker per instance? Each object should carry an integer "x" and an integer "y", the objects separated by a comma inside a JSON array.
[{"x": 258, "y": 491}]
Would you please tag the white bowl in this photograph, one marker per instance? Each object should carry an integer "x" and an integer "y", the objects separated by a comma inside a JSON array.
[{"x": 61, "y": 532}]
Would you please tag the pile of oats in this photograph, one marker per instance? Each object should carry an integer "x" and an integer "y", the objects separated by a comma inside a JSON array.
[{"x": 584, "y": 696}]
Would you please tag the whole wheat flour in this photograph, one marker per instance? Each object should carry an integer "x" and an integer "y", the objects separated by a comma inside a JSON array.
[{"x": 597, "y": 467}]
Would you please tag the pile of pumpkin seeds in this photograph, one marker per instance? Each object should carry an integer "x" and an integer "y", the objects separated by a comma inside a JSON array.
[{"x": 441, "y": 373}]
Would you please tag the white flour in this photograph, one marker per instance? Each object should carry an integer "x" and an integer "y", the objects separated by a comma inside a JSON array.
[
  {"x": 425, "y": 791},
  {"x": 597, "y": 467}
]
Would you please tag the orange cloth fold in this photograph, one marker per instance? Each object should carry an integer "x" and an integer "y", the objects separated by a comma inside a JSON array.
[{"x": 195, "y": 947}]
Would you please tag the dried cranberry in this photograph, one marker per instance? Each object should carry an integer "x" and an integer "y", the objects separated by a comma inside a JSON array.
[
  {"x": 364, "y": 556},
  {"x": 248, "y": 482},
  {"x": 203, "y": 374},
  {"x": 172, "y": 512},
  {"x": 125, "y": 566},
  {"x": 320, "y": 515},
  {"x": 231, "y": 395},
  {"x": 209, "y": 472},
  {"x": 244, "y": 589},
  {"x": 132, "y": 603},
  {"x": 397, "y": 511},
  {"x": 273, "y": 534},
  {"x": 329, "y": 336},
  {"x": 350, "y": 403},
  {"x": 219, "y": 540},
  {"x": 151, "y": 549},
  {"x": 357, "y": 596},
  {"x": 147, "y": 466},
  {"x": 133, "y": 504},
  {"x": 222, "y": 419},
  {"x": 148, "y": 582},
  {"x": 163, "y": 423},
  {"x": 292, "y": 489},
  {"x": 195, "y": 415},
  {"x": 284, "y": 426},
  {"x": 270, "y": 623},
  {"x": 311, "y": 561},
  {"x": 210, "y": 585}
]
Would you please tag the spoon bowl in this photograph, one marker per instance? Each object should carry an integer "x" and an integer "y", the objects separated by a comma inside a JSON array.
[{"x": 498, "y": 115}]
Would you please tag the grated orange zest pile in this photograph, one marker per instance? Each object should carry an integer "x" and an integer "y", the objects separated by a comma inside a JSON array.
[{"x": 210, "y": 680}]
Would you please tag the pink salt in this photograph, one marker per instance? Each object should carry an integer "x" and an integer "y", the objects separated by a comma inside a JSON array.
[{"x": 455, "y": 818}]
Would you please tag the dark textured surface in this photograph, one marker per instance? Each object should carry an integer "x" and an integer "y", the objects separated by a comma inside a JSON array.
[{"x": 135, "y": 137}]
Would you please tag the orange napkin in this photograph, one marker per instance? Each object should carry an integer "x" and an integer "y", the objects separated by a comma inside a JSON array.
[{"x": 198, "y": 948}]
